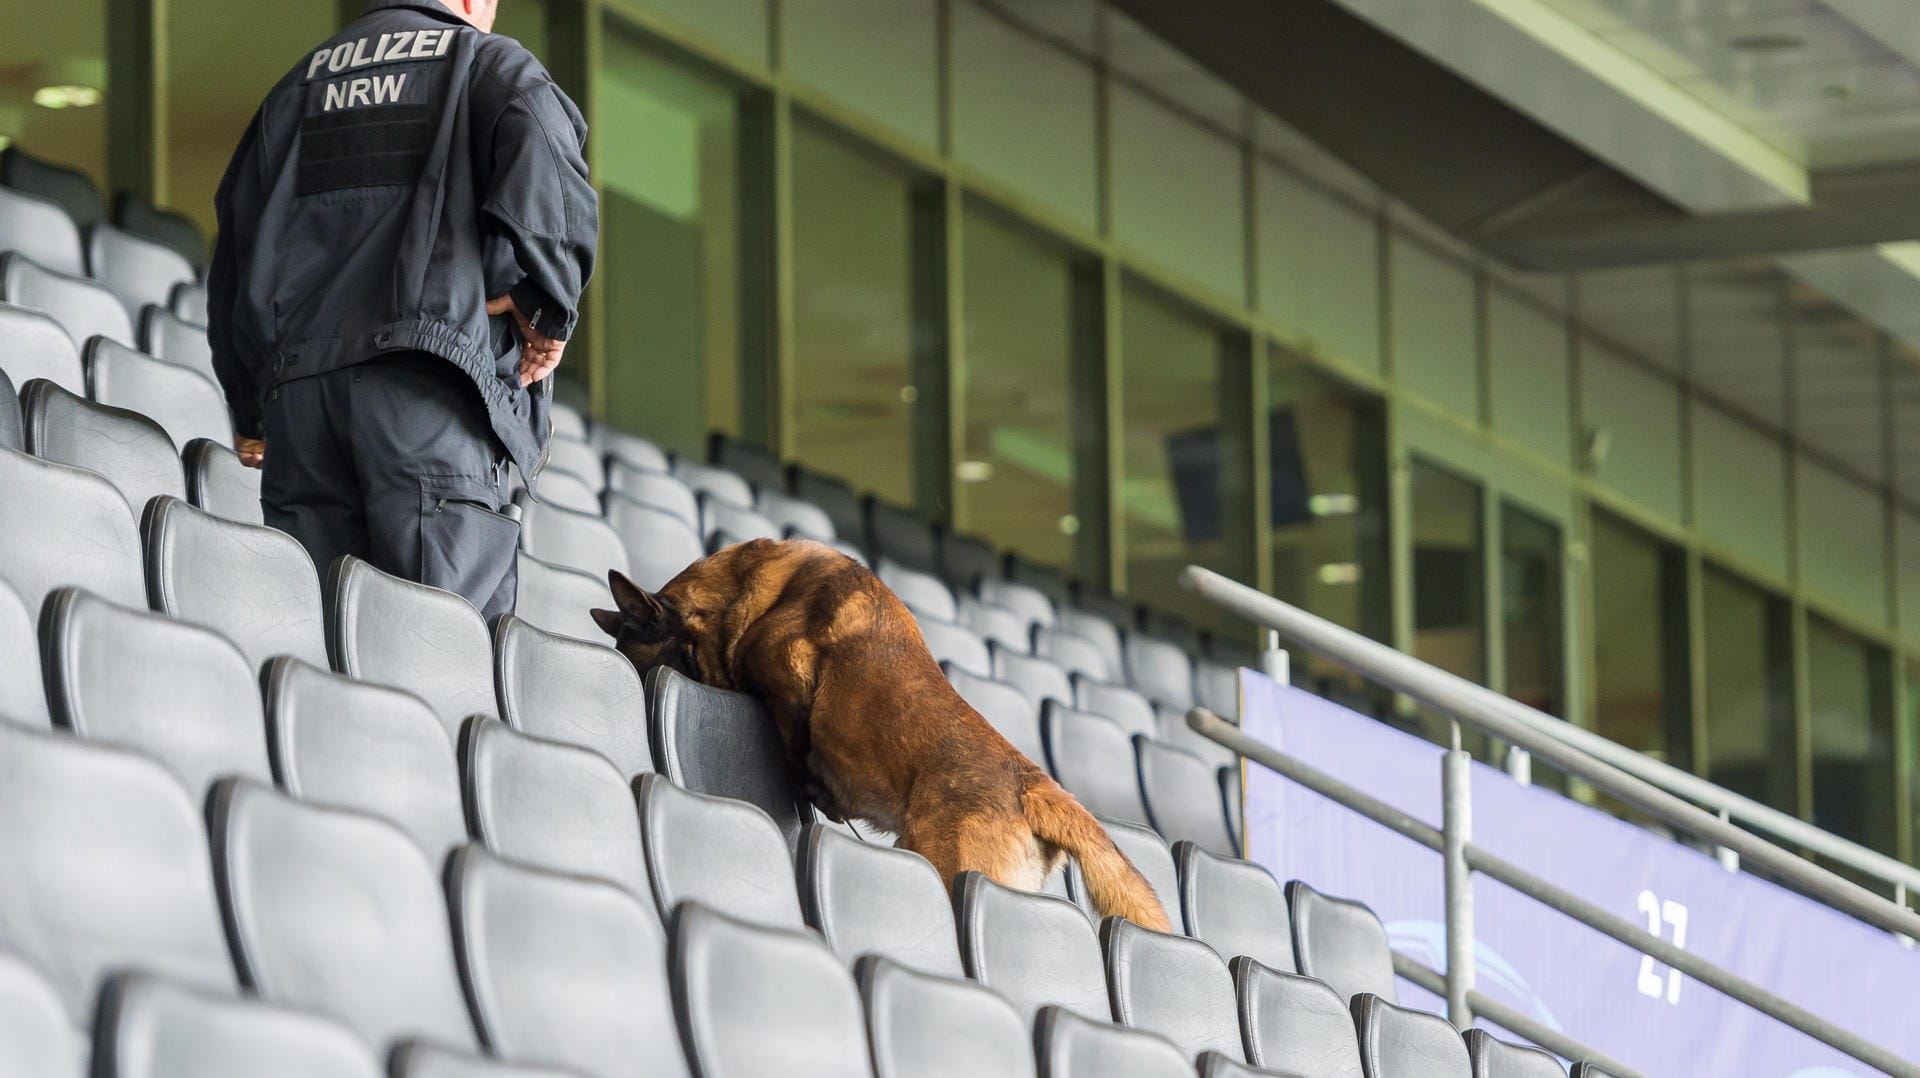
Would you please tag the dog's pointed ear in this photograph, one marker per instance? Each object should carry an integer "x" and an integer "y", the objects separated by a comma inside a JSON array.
[
  {"x": 636, "y": 603},
  {"x": 609, "y": 621}
]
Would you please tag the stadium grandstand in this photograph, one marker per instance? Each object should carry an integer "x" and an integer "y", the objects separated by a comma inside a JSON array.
[{"x": 1440, "y": 479}]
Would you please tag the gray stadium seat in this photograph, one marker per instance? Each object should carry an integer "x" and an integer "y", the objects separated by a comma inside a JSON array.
[
  {"x": 1092, "y": 757},
  {"x": 350, "y": 745},
  {"x": 754, "y": 463},
  {"x": 1038, "y": 679},
  {"x": 338, "y": 913},
  {"x": 1400, "y": 1043},
  {"x": 555, "y": 687},
  {"x": 659, "y": 543},
  {"x": 1215, "y": 1065},
  {"x": 37, "y": 1038},
  {"x": 720, "y": 517},
  {"x": 253, "y": 585},
  {"x": 1341, "y": 942},
  {"x": 1235, "y": 906},
  {"x": 1294, "y": 1024},
  {"x": 218, "y": 483},
  {"x": 138, "y": 270},
  {"x": 712, "y": 741},
  {"x": 836, "y": 499},
  {"x": 1074, "y": 653},
  {"x": 1231, "y": 795},
  {"x": 189, "y": 301},
  {"x": 1583, "y": 1069},
  {"x": 707, "y": 479},
  {"x": 1070, "y": 1046},
  {"x": 69, "y": 188},
  {"x": 1028, "y": 602},
  {"x": 871, "y": 900},
  {"x": 568, "y": 492},
  {"x": 22, "y": 697},
  {"x": 563, "y": 970},
  {"x": 33, "y": 345},
  {"x": 758, "y": 1002},
  {"x": 141, "y": 896},
  {"x": 561, "y": 536},
  {"x": 797, "y": 519},
  {"x": 1131, "y": 710},
  {"x": 902, "y": 534},
  {"x": 551, "y": 805},
  {"x": 577, "y": 459},
  {"x": 417, "y": 1060},
  {"x": 966, "y": 560},
  {"x": 1171, "y": 985},
  {"x": 926, "y": 1026},
  {"x": 956, "y": 645},
  {"x": 1036, "y": 950},
  {"x": 1008, "y": 629},
  {"x": 1161, "y": 670},
  {"x": 84, "y": 309},
  {"x": 569, "y": 421},
  {"x": 716, "y": 851},
  {"x": 13, "y": 433},
  {"x": 1217, "y": 688},
  {"x": 656, "y": 489},
  {"x": 632, "y": 451},
  {"x": 1049, "y": 580},
  {"x": 165, "y": 336},
  {"x": 132, "y": 451},
  {"x": 150, "y": 1028},
  {"x": 431, "y": 643},
  {"x": 925, "y": 594},
  {"x": 561, "y": 599},
  {"x": 1006, "y": 707},
  {"x": 40, "y": 230},
  {"x": 1098, "y": 630},
  {"x": 183, "y": 402},
  {"x": 175, "y": 691},
  {"x": 1183, "y": 797},
  {"x": 173, "y": 230},
  {"x": 1148, "y": 854},
  {"x": 80, "y": 532},
  {"x": 1170, "y": 728},
  {"x": 1495, "y": 1058}
]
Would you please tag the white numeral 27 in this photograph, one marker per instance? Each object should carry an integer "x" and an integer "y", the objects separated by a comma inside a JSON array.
[{"x": 1674, "y": 914}]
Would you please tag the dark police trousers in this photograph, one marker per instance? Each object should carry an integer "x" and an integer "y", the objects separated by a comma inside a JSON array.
[{"x": 394, "y": 461}]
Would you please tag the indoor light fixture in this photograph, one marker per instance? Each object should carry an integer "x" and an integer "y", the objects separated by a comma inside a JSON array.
[
  {"x": 5, "y": 141},
  {"x": 1069, "y": 525},
  {"x": 1339, "y": 572},
  {"x": 1333, "y": 505},
  {"x": 973, "y": 471},
  {"x": 66, "y": 97}
]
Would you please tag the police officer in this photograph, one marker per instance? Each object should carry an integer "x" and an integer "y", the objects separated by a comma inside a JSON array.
[{"x": 404, "y": 233}]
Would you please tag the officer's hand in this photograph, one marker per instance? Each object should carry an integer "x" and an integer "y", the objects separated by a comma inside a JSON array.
[
  {"x": 253, "y": 451},
  {"x": 540, "y": 354}
]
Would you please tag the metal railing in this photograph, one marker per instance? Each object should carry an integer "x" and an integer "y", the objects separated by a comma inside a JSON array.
[{"x": 1646, "y": 786}]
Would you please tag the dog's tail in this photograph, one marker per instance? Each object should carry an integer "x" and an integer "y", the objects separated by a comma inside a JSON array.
[{"x": 1116, "y": 886}]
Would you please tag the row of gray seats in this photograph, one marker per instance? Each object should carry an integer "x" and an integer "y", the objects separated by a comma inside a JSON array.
[{"x": 72, "y": 191}]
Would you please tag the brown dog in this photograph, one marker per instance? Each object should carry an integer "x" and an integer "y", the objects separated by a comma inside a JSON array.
[{"x": 867, "y": 716}]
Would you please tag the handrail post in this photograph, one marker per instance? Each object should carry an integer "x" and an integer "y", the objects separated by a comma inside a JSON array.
[
  {"x": 1456, "y": 818},
  {"x": 1275, "y": 662}
]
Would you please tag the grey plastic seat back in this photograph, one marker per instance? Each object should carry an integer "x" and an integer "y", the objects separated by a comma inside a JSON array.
[
  {"x": 1101, "y": 632},
  {"x": 562, "y": 969},
  {"x": 657, "y": 490},
  {"x": 1160, "y": 670},
  {"x": 37, "y": 1038},
  {"x": 873, "y": 900},
  {"x": 1294, "y": 1024},
  {"x": 252, "y": 584},
  {"x": 551, "y": 805},
  {"x": 421, "y": 1060},
  {"x": 1217, "y": 688},
  {"x": 1215, "y": 1065},
  {"x": 707, "y": 479},
  {"x": 40, "y": 230},
  {"x": 1235, "y": 906},
  {"x": 177, "y": 692},
  {"x": 1183, "y": 796},
  {"x": 130, "y": 450},
  {"x": 1131, "y": 710},
  {"x": 1074, "y": 653},
  {"x": 1148, "y": 854},
  {"x": 568, "y": 492},
  {"x": 1035, "y": 950},
  {"x": 431, "y": 643},
  {"x": 799, "y": 519},
  {"x": 1583, "y": 1069},
  {"x": 562, "y": 536},
  {"x": 13, "y": 431},
  {"x": 836, "y": 499},
  {"x": 721, "y": 517},
  {"x": 1399, "y": 1043},
  {"x": 754, "y": 463},
  {"x": 351, "y": 745},
  {"x": 578, "y": 459},
  {"x": 712, "y": 741},
  {"x": 185, "y": 404},
  {"x": 1039, "y": 679},
  {"x": 23, "y": 699},
  {"x": 1171, "y": 729},
  {"x": 1006, "y": 707},
  {"x": 84, "y": 309},
  {"x": 1231, "y": 797},
  {"x": 630, "y": 450},
  {"x": 659, "y": 544},
  {"x": 561, "y": 600},
  {"x": 218, "y": 483},
  {"x": 151, "y": 1028},
  {"x": 716, "y": 851},
  {"x": 901, "y": 534},
  {"x": 1072, "y": 1046},
  {"x": 956, "y": 646},
  {"x": 175, "y": 231},
  {"x": 79, "y": 533},
  {"x": 336, "y": 912},
  {"x": 1341, "y": 942},
  {"x": 1006, "y": 629},
  {"x": 1027, "y": 601},
  {"x": 69, "y": 188},
  {"x": 1093, "y": 758},
  {"x": 34, "y": 345},
  {"x": 555, "y": 687},
  {"x": 143, "y": 894},
  {"x": 758, "y": 1002},
  {"x": 139, "y": 271},
  {"x": 1491, "y": 1057},
  {"x": 926, "y": 1026},
  {"x": 1171, "y": 985},
  {"x": 925, "y": 594},
  {"x": 189, "y": 301},
  {"x": 966, "y": 560},
  {"x": 167, "y": 336},
  {"x": 569, "y": 422}
]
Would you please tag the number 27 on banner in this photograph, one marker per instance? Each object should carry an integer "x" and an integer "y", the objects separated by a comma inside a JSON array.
[{"x": 1660, "y": 916}]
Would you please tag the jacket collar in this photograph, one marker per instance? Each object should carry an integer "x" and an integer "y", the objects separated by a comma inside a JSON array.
[{"x": 430, "y": 7}]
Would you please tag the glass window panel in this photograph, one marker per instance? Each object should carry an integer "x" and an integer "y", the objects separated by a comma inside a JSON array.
[
  {"x": 1639, "y": 641},
  {"x": 1435, "y": 347},
  {"x": 1908, "y": 534},
  {"x": 853, "y": 315},
  {"x": 1853, "y": 750},
  {"x": 1320, "y": 269},
  {"x": 670, "y": 241},
  {"x": 1177, "y": 194},
  {"x": 1017, "y": 478},
  {"x": 1843, "y": 543},
  {"x": 525, "y": 21},
  {"x": 1532, "y": 609},
  {"x": 1911, "y": 742},
  {"x": 1527, "y": 357},
  {"x": 1024, "y": 114},
  {"x": 1749, "y": 694},
  {"x": 1737, "y": 328},
  {"x": 1740, "y": 488},
  {"x": 65, "y": 44},
  {"x": 1632, "y": 436},
  {"x": 879, "y": 56},
  {"x": 739, "y": 26}
]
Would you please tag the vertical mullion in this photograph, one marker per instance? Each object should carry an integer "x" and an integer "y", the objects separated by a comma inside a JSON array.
[
  {"x": 577, "y": 29},
  {"x": 1800, "y": 664},
  {"x": 137, "y": 132},
  {"x": 1112, "y": 523},
  {"x": 952, "y": 440}
]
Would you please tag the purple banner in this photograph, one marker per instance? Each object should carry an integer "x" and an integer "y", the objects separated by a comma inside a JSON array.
[{"x": 1551, "y": 967}]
